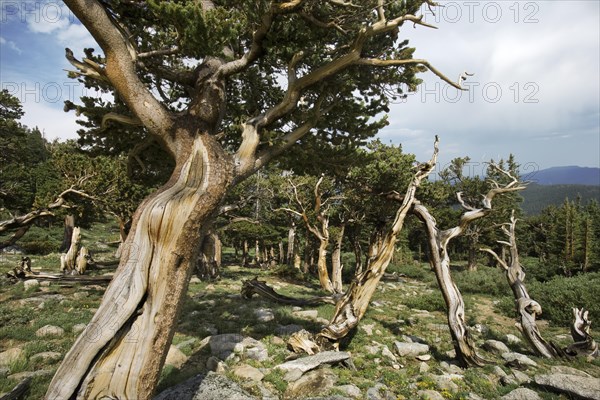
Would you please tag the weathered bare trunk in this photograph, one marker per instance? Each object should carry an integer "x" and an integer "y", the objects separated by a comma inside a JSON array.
[
  {"x": 336, "y": 260},
  {"x": 209, "y": 262},
  {"x": 375, "y": 244},
  {"x": 527, "y": 308},
  {"x": 68, "y": 260},
  {"x": 322, "y": 266},
  {"x": 281, "y": 258},
  {"x": 352, "y": 306},
  {"x": 82, "y": 260},
  {"x": 580, "y": 331},
  {"x": 122, "y": 350},
  {"x": 68, "y": 233},
  {"x": 440, "y": 263},
  {"x": 291, "y": 249},
  {"x": 245, "y": 254}
]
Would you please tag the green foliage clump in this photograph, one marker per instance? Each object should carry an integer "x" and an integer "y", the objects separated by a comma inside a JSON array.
[
  {"x": 431, "y": 302},
  {"x": 488, "y": 281},
  {"x": 559, "y": 295},
  {"x": 41, "y": 241}
]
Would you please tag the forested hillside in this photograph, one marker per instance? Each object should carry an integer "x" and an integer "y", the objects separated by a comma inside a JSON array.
[{"x": 537, "y": 197}]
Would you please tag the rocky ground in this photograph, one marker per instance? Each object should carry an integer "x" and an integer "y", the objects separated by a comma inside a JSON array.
[{"x": 230, "y": 348}]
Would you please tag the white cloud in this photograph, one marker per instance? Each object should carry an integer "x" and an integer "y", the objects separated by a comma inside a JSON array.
[
  {"x": 10, "y": 44},
  {"x": 53, "y": 122}
]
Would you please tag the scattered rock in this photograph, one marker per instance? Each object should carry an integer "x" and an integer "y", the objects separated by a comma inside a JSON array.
[
  {"x": 521, "y": 377},
  {"x": 380, "y": 392},
  {"x": 49, "y": 330},
  {"x": 313, "y": 382},
  {"x": 30, "y": 374},
  {"x": 46, "y": 356},
  {"x": 210, "y": 387},
  {"x": 410, "y": 349},
  {"x": 311, "y": 314},
  {"x": 350, "y": 390},
  {"x": 518, "y": 360},
  {"x": 264, "y": 315},
  {"x": 311, "y": 362},
  {"x": 293, "y": 375},
  {"x": 563, "y": 369},
  {"x": 451, "y": 368},
  {"x": 195, "y": 280},
  {"x": 374, "y": 349},
  {"x": 512, "y": 339},
  {"x": 581, "y": 387},
  {"x": 385, "y": 351},
  {"x": 424, "y": 357},
  {"x": 287, "y": 330},
  {"x": 495, "y": 346},
  {"x": 423, "y": 368},
  {"x": 10, "y": 356},
  {"x": 248, "y": 372},
  {"x": 31, "y": 284},
  {"x": 226, "y": 345},
  {"x": 480, "y": 328},
  {"x": 445, "y": 382},
  {"x": 430, "y": 395},
  {"x": 368, "y": 328},
  {"x": 215, "y": 365},
  {"x": 521, "y": 394},
  {"x": 175, "y": 357},
  {"x": 276, "y": 340},
  {"x": 76, "y": 329},
  {"x": 3, "y": 372}
]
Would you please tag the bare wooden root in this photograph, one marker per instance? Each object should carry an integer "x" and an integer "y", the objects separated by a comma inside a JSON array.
[{"x": 580, "y": 331}]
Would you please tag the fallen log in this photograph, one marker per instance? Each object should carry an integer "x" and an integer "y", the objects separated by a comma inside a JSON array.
[{"x": 254, "y": 286}]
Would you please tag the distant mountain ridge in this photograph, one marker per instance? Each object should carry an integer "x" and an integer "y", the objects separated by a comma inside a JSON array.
[
  {"x": 569, "y": 175},
  {"x": 537, "y": 197}
]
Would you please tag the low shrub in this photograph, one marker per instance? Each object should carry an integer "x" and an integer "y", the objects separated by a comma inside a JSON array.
[
  {"x": 560, "y": 295},
  {"x": 485, "y": 280},
  {"x": 431, "y": 302}
]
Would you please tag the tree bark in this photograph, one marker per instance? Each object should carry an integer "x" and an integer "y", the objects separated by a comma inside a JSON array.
[
  {"x": 352, "y": 306},
  {"x": 68, "y": 260},
  {"x": 336, "y": 261},
  {"x": 245, "y": 254},
  {"x": 122, "y": 350},
  {"x": 527, "y": 308},
  {"x": 440, "y": 261},
  {"x": 68, "y": 233},
  {"x": 209, "y": 262},
  {"x": 291, "y": 249},
  {"x": 580, "y": 331}
]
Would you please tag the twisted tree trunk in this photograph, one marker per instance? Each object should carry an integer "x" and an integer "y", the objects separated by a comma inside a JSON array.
[
  {"x": 352, "y": 306},
  {"x": 440, "y": 261},
  {"x": 122, "y": 350},
  {"x": 527, "y": 308},
  {"x": 336, "y": 260},
  {"x": 580, "y": 331}
]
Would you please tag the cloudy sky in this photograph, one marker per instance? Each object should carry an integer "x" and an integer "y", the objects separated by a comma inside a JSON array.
[{"x": 535, "y": 92}]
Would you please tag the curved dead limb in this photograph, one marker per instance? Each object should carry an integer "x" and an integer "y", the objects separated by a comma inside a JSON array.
[
  {"x": 352, "y": 306},
  {"x": 21, "y": 224},
  {"x": 527, "y": 308},
  {"x": 440, "y": 260},
  {"x": 580, "y": 331},
  {"x": 254, "y": 286}
]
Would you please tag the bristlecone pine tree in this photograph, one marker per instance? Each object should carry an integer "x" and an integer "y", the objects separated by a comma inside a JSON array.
[{"x": 221, "y": 87}]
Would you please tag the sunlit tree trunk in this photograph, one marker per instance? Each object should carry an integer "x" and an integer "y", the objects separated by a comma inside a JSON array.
[
  {"x": 353, "y": 304},
  {"x": 439, "y": 258},
  {"x": 121, "y": 352},
  {"x": 336, "y": 260},
  {"x": 527, "y": 308}
]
